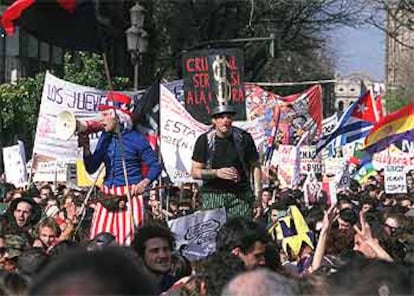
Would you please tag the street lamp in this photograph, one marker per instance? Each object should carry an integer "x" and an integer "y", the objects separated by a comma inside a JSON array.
[{"x": 137, "y": 39}]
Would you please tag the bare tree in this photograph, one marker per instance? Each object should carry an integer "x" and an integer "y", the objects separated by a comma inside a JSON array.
[{"x": 299, "y": 26}]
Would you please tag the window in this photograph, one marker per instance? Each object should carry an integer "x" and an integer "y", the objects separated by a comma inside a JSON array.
[{"x": 340, "y": 106}]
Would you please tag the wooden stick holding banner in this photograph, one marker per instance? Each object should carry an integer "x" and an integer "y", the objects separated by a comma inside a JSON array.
[{"x": 121, "y": 145}]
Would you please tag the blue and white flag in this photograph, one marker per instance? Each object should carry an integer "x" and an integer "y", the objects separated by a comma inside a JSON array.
[{"x": 355, "y": 123}]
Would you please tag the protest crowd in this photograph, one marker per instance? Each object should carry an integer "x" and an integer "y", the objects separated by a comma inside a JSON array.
[
  {"x": 225, "y": 235},
  {"x": 206, "y": 186}
]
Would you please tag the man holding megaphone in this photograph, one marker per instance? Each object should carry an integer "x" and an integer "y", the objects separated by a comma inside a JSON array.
[{"x": 119, "y": 143}]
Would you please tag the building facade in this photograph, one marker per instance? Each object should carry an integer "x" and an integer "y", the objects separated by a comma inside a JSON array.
[{"x": 349, "y": 88}]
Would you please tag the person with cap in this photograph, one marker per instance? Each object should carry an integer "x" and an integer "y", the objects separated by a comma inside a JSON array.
[
  {"x": 119, "y": 143},
  {"x": 11, "y": 247},
  {"x": 21, "y": 217},
  {"x": 224, "y": 158}
]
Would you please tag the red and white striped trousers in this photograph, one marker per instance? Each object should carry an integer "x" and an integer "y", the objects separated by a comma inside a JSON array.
[{"x": 118, "y": 222}]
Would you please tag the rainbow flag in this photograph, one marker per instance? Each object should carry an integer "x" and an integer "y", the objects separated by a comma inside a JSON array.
[{"x": 392, "y": 128}]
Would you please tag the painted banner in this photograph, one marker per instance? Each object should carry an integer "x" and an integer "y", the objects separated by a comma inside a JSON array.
[
  {"x": 395, "y": 179},
  {"x": 311, "y": 189},
  {"x": 343, "y": 178},
  {"x": 179, "y": 132},
  {"x": 196, "y": 233},
  {"x": 59, "y": 95},
  {"x": 288, "y": 169},
  {"x": 14, "y": 160},
  {"x": 392, "y": 155},
  {"x": 213, "y": 77}
]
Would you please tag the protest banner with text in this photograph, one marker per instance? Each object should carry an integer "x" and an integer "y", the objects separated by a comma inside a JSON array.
[
  {"x": 395, "y": 179},
  {"x": 213, "y": 77},
  {"x": 196, "y": 233},
  {"x": 14, "y": 160}
]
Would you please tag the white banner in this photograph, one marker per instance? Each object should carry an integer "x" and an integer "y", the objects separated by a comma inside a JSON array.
[
  {"x": 309, "y": 160},
  {"x": 55, "y": 171},
  {"x": 394, "y": 156},
  {"x": 59, "y": 95},
  {"x": 179, "y": 132},
  {"x": 14, "y": 160},
  {"x": 343, "y": 178},
  {"x": 329, "y": 124},
  {"x": 395, "y": 179},
  {"x": 332, "y": 165},
  {"x": 196, "y": 233}
]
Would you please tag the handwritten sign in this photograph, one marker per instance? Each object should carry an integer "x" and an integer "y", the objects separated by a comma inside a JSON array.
[
  {"x": 196, "y": 233},
  {"x": 213, "y": 77},
  {"x": 59, "y": 95},
  {"x": 55, "y": 171},
  {"x": 309, "y": 160},
  {"x": 395, "y": 179},
  {"x": 14, "y": 160}
]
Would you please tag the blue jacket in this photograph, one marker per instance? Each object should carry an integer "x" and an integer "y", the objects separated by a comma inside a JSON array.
[{"x": 137, "y": 151}]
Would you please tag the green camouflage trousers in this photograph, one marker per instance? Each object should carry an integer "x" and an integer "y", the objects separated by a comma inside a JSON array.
[{"x": 238, "y": 204}]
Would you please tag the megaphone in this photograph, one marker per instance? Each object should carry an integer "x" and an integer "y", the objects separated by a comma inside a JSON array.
[{"x": 67, "y": 125}]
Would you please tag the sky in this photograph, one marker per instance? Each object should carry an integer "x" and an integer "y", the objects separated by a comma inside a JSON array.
[{"x": 360, "y": 50}]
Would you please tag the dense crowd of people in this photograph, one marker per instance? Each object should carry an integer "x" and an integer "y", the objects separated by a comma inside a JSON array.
[
  {"x": 56, "y": 240},
  {"x": 363, "y": 245}
]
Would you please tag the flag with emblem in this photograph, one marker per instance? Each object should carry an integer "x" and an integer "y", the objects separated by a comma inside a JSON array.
[{"x": 355, "y": 123}]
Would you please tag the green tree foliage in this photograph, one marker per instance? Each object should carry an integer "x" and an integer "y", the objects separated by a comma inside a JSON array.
[
  {"x": 398, "y": 98},
  {"x": 88, "y": 69}
]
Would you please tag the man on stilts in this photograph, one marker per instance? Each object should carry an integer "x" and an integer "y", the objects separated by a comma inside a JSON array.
[{"x": 123, "y": 151}]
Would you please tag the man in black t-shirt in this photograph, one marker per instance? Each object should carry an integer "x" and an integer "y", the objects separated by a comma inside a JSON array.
[{"x": 226, "y": 158}]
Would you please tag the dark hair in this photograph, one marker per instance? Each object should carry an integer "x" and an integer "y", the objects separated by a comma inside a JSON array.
[
  {"x": 272, "y": 257},
  {"x": 112, "y": 271},
  {"x": 30, "y": 262},
  {"x": 46, "y": 186},
  {"x": 64, "y": 247},
  {"x": 314, "y": 215},
  {"x": 371, "y": 277},
  {"x": 152, "y": 230},
  {"x": 242, "y": 233},
  {"x": 218, "y": 269},
  {"x": 367, "y": 200},
  {"x": 180, "y": 266},
  {"x": 348, "y": 215}
]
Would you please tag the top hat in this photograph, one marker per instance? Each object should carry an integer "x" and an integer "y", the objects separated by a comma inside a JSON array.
[
  {"x": 119, "y": 101},
  {"x": 224, "y": 108}
]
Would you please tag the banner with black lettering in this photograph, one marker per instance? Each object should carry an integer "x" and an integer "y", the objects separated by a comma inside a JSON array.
[
  {"x": 59, "y": 95},
  {"x": 395, "y": 179},
  {"x": 212, "y": 77},
  {"x": 196, "y": 233}
]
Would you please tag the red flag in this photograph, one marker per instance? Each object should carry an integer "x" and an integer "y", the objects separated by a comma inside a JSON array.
[
  {"x": 378, "y": 103},
  {"x": 73, "y": 24}
]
